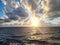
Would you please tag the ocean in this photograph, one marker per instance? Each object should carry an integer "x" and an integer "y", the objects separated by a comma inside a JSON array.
[{"x": 29, "y": 35}]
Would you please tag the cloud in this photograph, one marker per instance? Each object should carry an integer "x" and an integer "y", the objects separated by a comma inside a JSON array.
[
  {"x": 32, "y": 3},
  {"x": 14, "y": 13},
  {"x": 51, "y": 8},
  {"x": 4, "y": 1}
]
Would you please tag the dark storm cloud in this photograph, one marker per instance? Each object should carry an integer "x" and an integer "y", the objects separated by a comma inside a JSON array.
[
  {"x": 11, "y": 16},
  {"x": 7, "y": 20},
  {"x": 16, "y": 14},
  {"x": 20, "y": 12},
  {"x": 51, "y": 8},
  {"x": 13, "y": 13},
  {"x": 32, "y": 3}
]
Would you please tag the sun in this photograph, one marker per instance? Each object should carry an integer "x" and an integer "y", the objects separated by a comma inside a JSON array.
[{"x": 35, "y": 21}]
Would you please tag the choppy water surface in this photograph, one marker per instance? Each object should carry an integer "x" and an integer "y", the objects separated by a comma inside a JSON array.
[{"x": 30, "y": 36}]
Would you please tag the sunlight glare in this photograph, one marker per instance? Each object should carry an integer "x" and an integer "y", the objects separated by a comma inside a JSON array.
[{"x": 35, "y": 21}]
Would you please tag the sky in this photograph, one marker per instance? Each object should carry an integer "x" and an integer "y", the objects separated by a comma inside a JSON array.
[
  {"x": 1, "y": 9},
  {"x": 21, "y": 10}
]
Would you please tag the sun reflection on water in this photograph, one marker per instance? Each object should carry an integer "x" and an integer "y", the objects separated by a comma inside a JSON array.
[{"x": 33, "y": 34}]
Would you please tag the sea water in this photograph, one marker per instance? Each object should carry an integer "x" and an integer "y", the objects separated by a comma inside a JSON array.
[{"x": 29, "y": 35}]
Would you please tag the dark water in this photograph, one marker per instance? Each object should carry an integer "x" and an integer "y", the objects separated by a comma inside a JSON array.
[{"x": 30, "y": 36}]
